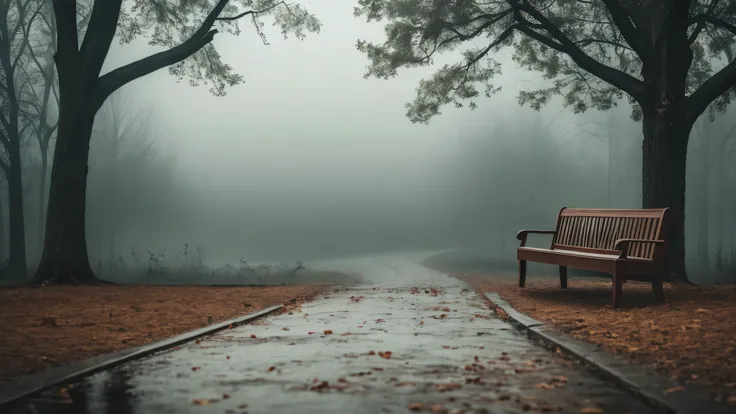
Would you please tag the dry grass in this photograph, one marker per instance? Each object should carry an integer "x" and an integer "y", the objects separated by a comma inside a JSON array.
[
  {"x": 50, "y": 326},
  {"x": 692, "y": 337}
]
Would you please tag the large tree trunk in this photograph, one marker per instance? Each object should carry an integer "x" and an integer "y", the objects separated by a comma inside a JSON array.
[
  {"x": 65, "y": 259},
  {"x": 664, "y": 160},
  {"x": 667, "y": 127}
]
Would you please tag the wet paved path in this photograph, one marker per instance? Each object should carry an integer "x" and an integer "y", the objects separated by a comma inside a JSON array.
[{"x": 411, "y": 339}]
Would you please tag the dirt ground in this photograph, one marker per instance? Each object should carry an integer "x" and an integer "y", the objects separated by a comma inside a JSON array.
[
  {"x": 692, "y": 336},
  {"x": 44, "y": 327}
]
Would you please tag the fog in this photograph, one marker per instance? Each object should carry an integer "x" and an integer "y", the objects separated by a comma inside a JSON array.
[{"x": 307, "y": 160}]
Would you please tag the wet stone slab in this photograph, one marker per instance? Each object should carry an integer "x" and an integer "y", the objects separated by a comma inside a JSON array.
[{"x": 431, "y": 345}]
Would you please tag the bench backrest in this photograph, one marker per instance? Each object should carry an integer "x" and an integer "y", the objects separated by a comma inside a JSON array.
[{"x": 596, "y": 230}]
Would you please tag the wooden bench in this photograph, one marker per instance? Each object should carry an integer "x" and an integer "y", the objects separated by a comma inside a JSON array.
[{"x": 627, "y": 244}]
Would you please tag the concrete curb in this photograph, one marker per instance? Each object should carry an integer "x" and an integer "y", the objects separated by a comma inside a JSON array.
[
  {"x": 34, "y": 383},
  {"x": 642, "y": 382}
]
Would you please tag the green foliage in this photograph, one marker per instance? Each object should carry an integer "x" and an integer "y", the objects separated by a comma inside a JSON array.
[
  {"x": 168, "y": 23},
  {"x": 583, "y": 48}
]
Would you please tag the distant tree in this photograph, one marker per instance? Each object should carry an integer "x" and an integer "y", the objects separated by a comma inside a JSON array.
[
  {"x": 672, "y": 58},
  {"x": 714, "y": 136},
  {"x": 129, "y": 176},
  {"x": 15, "y": 16},
  {"x": 185, "y": 28}
]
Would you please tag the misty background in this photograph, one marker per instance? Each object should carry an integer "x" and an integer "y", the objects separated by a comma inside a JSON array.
[{"x": 307, "y": 160}]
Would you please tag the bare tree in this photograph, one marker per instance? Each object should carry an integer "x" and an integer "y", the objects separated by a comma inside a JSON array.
[
  {"x": 122, "y": 153},
  {"x": 14, "y": 85}
]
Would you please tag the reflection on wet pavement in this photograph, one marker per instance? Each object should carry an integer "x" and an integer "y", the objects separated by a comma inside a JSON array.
[{"x": 415, "y": 341}]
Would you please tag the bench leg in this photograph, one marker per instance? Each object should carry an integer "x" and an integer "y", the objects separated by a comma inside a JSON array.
[
  {"x": 658, "y": 291},
  {"x": 617, "y": 291},
  {"x": 563, "y": 277},
  {"x": 522, "y": 273}
]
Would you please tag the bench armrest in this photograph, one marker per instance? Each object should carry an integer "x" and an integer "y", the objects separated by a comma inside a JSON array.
[
  {"x": 522, "y": 235},
  {"x": 623, "y": 245}
]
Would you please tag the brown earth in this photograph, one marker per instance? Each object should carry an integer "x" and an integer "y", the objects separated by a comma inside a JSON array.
[
  {"x": 692, "y": 336},
  {"x": 49, "y": 326}
]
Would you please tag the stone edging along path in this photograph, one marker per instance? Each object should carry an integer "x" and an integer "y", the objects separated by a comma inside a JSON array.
[
  {"x": 34, "y": 383},
  {"x": 643, "y": 382}
]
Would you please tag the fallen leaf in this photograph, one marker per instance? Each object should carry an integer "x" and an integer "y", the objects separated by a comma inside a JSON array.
[
  {"x": 320, "y": 386},
  {"x": 202, "y": 401},
  {"x": 416, "y": 406},
  {"x": 328, "y": 332},
  {"x": 195, "y": 368},
  {"x": 673, "y": 389},
  {"x": 591, "y": 410},
  {"x": 230, "y": 326},
  {"x": 253, "y": 336},
  {"x": 447, "y": 386},
  {"x": 271, "y": 369}
]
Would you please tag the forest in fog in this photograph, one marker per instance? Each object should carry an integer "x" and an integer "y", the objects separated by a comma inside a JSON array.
[{"x": 485, "y": 182}]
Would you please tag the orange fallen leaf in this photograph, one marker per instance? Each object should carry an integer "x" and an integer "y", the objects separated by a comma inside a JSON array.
[
  {"x": 328, "y": 332},
  {"x": 673, "y": 389},
  {"x": 437, "y": 408},
  {"x": 385, "y": 355},
  {"x": 270, "y": 369},
  {"x": 447, "y": 386},
  {"x": 230, "y": 326}
]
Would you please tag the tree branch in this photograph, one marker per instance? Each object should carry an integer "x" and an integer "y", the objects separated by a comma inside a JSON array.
[
  {"x": 113, "y": 80},
  {"x": 252, "y": 12},
  {"x": 701, "y": 24},
  {"x": 629, "y": 32},
  {"x": 562, "y": 43},
  {"x": 702, "y": 19},
  {"x": 103, "y": 23},
  {"x": 710, "y": 90}
]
